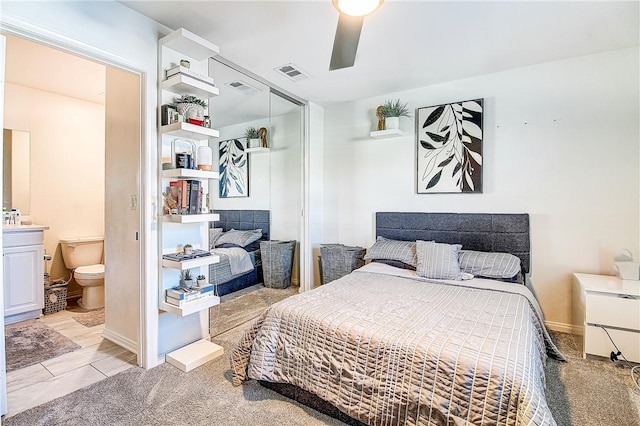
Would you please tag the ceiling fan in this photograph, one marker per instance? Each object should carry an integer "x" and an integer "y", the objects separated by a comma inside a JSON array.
[{"x": 345, "y": 43}]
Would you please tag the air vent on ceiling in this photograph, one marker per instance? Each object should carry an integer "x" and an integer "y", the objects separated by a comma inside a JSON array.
[
  {"x": 292, "y": 72},
  {"x": 243, "y": 87}
]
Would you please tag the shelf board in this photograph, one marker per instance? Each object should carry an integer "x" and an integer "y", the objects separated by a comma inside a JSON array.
[
  {"x": 191, "y": 307},
  {"x": 194, "y": 355},
  {"x": 256, "y": 150},
  {"x": 189, "y": 131},
  {"x": 178, "y": 173},
  {"x": 192, "y": 263},
  {"x": 191, "y": 45},
  {"x": 191, "y": 218},
  {"x": 391, "y": 133},
  {"x": 181, "y": 83}
]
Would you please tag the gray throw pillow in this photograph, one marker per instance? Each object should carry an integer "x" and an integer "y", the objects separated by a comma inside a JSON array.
[
  {"x": 239, "y": 238},
  {"x": 402, "y": 251},
  {"x": 489, "y": 265},
  {"x": 438, "y": 260}
]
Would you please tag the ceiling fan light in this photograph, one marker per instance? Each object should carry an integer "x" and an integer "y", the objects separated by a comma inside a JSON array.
[{"x": 357, "y": 7}]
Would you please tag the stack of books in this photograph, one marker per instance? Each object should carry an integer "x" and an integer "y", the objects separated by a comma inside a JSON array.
[
  {"x": 180, "y": 296},
  {"x": 188, "y": 72},
  {"x": 187, "y": 195}
]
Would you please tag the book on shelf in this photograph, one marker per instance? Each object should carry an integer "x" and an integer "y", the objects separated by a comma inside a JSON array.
[
  {"x": 187, "y": 194},
  {"x": 194, "y": 190},
  {"x": 182, "y": 302},
  {"x": 182, "y": 293},
  {"x": 186, "y": 71},
  {"x": 181, "y": 257}
]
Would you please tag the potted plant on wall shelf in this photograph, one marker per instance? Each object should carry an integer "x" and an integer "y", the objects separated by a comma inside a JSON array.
[
  {"x": 201, "y": 280},
  {"x": 253, "y": 139},
  {"x": 187, "y": 249},
  {"x": 187, "y": 279},
  {"x": 190, "y": 106},
  {"x": 391, "y": 110}
]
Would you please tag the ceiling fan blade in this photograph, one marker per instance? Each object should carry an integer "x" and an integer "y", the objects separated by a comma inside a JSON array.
[{"x": 345, "y": 44}]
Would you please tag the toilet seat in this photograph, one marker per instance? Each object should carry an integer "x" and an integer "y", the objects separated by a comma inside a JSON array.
[{"x": 90, "y": 271}]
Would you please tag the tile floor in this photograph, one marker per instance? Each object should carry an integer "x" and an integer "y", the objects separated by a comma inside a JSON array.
[{"x": 96, "y": 360}]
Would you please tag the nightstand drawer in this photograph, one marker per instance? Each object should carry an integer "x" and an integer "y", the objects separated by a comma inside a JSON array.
[
  {"x": 613, "y": 310},
  {"x": 596, "y": 342}
]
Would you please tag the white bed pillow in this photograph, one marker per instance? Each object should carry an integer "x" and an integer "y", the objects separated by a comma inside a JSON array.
[
  {"x": 214, "y": 234},
  {"x": 239, "y": 238},
  {"x": 489, "y": 264},
  {"x": 438, "y": 260},
  {"x": 385, "y": 249}
]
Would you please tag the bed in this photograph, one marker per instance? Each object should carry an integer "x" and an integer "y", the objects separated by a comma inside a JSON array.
[
  {"x": 384, "y": 345},
  {"x": 221, "y": 273}
]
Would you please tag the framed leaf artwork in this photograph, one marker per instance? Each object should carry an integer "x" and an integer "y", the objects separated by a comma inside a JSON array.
[
  {"x": 233, "y": 164},
  {"x": 449, "y": 148}
]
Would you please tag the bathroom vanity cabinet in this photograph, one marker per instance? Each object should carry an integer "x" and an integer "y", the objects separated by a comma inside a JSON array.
[{"x": 23, "y": 261}]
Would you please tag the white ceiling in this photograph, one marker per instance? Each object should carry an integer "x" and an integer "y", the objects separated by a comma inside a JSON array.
[
  {"x": 403, "y": 45},
  {"x": 44, "y": 68}
]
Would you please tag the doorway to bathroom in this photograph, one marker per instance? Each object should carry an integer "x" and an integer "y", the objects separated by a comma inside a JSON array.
[{"x": 84, "y": 122}]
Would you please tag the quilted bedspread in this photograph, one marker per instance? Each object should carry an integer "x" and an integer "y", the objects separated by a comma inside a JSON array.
[{"x": 389, "y": 348}]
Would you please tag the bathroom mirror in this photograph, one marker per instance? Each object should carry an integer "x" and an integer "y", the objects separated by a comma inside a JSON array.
[{"x": 16, "y": 172}]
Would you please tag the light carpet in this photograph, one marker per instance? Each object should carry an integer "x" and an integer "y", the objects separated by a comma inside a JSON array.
[
  {"x": 589, "y": 392},
  {"x": 90, "y": 318},
  {"x": 31, "y": 342}
]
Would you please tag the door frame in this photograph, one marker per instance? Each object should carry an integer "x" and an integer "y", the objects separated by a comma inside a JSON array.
[{"x": 145, "y": 356}]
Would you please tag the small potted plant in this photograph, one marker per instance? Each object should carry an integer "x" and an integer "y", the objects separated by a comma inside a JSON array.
[
  {"x": 187, "y": 249},
  {"x": 201, "y": 280},
  {"x": 190, "y": 106},
  {"x": 187, "y": 279},
  {"x": 253, "y": 139},
  {"x": 391, "y": 110}
]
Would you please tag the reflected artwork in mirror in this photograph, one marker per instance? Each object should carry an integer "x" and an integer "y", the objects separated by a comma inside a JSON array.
[{"x": 234, "y": 169}]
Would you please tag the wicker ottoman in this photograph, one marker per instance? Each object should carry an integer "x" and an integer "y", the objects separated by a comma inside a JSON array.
[
  {"x": 277, "y": 262},
  {"x": 338, "y": 260}
]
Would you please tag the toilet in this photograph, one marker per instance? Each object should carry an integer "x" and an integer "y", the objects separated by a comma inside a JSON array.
[{"x": 83, "y": 256}]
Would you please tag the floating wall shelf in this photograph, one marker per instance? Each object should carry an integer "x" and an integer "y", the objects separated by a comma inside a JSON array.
[
  {"x": 189, "y": 174},
  {"x": 189, "y": 131},
  {"x": 391, "y": 133},
  {"x": 180, "y": 84},
  {"x": 191, "y": 218},
  {"x": 256, "y": 150},
  {"x": 189, "y": 44}
]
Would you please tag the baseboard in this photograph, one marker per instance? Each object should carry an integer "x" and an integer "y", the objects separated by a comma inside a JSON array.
[
  {"x": 119, "y": 340},
  {"x": 562, "y": 327}
]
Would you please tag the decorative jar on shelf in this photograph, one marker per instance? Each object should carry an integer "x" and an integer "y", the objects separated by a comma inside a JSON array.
[
  {"x": 204, "y": 158},
  {"x": 392, "y": 123}
]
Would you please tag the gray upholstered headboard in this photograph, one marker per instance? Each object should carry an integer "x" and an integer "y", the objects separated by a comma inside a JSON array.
[
  {"x": 495, "y": 232},
  {"x": 244, "y": 219}
]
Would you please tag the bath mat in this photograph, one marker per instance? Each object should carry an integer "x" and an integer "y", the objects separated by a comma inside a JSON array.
[
  {"x": 91, "y": 318},
  {"x": 31, "y": 342}
]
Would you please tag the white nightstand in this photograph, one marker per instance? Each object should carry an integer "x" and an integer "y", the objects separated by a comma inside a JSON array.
[{"x": 602, "y": 300}]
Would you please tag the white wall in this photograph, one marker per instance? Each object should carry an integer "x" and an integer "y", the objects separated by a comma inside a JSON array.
[
  {"x": 560, "y": 143},
  {"x": 67, "y": 142}
]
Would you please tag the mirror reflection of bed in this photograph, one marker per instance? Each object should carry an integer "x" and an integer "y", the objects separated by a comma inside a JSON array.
[
  {"x": 438, "y": 328},
  {"x": 242, "y": 267}
]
